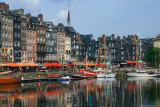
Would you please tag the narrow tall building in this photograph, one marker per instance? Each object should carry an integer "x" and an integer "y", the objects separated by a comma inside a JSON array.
[
  {"x": 51, "y": 41},
  {"x": 6, "y": 22},
  {"x": 16, "y": 36},
  {"x": 41, "y": 37}
]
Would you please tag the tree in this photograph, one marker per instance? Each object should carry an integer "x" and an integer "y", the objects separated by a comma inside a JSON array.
[{"x": 152, "y": 56}]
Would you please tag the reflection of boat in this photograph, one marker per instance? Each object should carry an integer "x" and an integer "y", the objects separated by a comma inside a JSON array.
[
  {"x": 65, "y": 82},
  {"x": 78, "y": 76},
  {"x": 10, "y": 79},
  {"x": 141, "y": 78},
  {"x": 105, "y": 79},
  {"x": 9, "y": 87}
]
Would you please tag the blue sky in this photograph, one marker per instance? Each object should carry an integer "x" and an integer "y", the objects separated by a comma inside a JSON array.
[{"x": 97, "y": 17}]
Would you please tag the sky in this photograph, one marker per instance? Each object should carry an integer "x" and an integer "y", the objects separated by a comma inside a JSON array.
[{"x": 98, "y": 17}]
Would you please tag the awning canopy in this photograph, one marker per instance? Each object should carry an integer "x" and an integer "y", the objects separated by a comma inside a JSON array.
[
  {"x": 52, "y": 64},
  {"x": 70, "y": 63},
  {"x": 25, "y": 64},
  {"x": 41, "y": 65},
  {"x": 89, "y": 64},
  {"x": 3, "y": 65},
  {"x": 11, "y": 64},
  {"x": 78, "y": 63},
  {"x": 130, "y": 62}
]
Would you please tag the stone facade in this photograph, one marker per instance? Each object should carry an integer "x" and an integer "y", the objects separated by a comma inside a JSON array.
[
  {"x": 24, "y": 38},
  {"x": 6, "y": 36},
  {"x": 61, "y": 42},
  {"x": 156, "y": 41}
]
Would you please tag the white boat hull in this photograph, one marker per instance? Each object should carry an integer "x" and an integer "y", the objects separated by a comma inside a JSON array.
[
  {"x": 110, "y": 75},
  {"x": 103, "y": 75},
  {"x": 66, "y": 77},
  {"x": 142, "y": 75}
]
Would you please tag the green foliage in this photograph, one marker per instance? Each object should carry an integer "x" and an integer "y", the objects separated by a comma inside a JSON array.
[{"x": 153, "y": 56}]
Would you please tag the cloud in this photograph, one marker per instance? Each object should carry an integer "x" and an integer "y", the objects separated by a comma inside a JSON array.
[
  {"x": 62, "y": 14},
  {"x": 32, "y": 2}
]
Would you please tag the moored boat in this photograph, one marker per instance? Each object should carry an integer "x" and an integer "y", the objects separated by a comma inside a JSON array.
[
  {"x": 143, "y": 74},
  {"x": 11, "y": 79}
]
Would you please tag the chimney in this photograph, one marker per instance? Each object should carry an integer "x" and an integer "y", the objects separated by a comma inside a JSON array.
[
  {"x": 4, "y": 6},
  {"x": 19, "y": 11},
  {"x": 40, "y": 17},
  {"x": 118, "y": 37},
  {"x": 28, "y": 16}
]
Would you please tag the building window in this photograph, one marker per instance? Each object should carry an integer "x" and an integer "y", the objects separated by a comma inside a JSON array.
[
  {"x": 89, "y": 48},
  {"x": 89, "y": 54},
  {"x": 133, "y": 52},
  {"x": 112, "y": 44},
  {"x": 122, "y": 52},
  {"x": 18, "y": 44},
  {"x": 133, "y": 47},
  {"x": 18, "y": 35},
  {"x": 15, "y": 44},
  {"x": 15, "y": 34},
  {"x": 18, "y": 26}
]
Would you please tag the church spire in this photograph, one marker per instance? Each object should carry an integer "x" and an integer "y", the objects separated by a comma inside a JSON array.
[{"x": 68, "y": 19}]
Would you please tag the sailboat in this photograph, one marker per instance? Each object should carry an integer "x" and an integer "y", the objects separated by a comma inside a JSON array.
[
  {"x": 99, "y": 73},
  {"x": 141, "y": 73},
  {"x": 107, "y": 73}
]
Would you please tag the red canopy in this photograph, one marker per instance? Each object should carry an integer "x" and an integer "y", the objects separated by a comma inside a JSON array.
[
  {"x": 51, "y": 64},
  {"x": 130, "y": 62}
]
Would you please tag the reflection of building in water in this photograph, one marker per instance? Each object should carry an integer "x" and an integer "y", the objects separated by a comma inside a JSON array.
[
  {"x": 13, "y": 95},
  {"x": 85, "y": 93}
]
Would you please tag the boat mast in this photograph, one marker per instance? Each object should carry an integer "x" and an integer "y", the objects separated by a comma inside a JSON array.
[
  {"x": 100, "y": 56},
  {"x": 76, "y": 59},
  {"x": 87, "y": 60},
  {"x": 140, "y": 54},
  {"x": 136, "y": 52},
  {"x": 155, "y": 62}
]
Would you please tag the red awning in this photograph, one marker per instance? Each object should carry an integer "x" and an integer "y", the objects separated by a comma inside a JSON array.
[
  {"x": 52, "y": 64},
  {"x": 130, "y": 62}
]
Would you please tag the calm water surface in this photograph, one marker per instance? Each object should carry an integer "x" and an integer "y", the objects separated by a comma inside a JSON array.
[{"x": 130, "y": 92}]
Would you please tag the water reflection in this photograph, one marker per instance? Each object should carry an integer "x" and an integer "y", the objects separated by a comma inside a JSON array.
[{"x": 101, "y": 92}]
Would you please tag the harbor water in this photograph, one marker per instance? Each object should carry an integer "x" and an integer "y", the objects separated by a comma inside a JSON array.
[{"x": 101, "y": 92}]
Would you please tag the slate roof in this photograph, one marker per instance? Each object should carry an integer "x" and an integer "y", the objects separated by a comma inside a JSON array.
[
  {"x": 69, "y": 29},
  {"x": 157, "y": 37},
  {"x": 48, "y": 23}
]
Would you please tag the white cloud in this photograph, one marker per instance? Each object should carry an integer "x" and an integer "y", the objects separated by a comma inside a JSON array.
[
  {"x": 62, "y": 14},
  {"x": 32, "y": 2}
]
